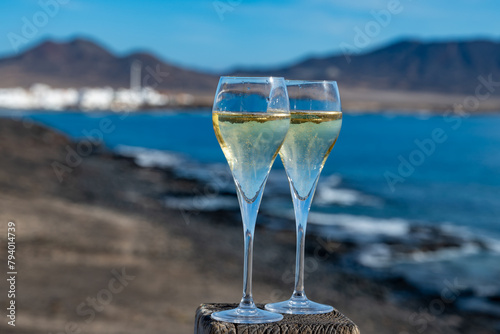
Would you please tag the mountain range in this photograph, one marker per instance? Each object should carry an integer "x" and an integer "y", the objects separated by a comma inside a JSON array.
[
  {"x": 441, "y": 67},
  {"x": 413, "y": 66},
  {"x": 83, "y": 63}
]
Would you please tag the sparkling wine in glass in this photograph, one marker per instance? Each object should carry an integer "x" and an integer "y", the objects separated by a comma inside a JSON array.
[
  {"x": 251, "y": 118},
  {"x": 315, "y": 124}
]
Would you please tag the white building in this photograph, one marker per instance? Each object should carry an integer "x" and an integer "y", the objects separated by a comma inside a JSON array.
[{"x": 41, "y": 96}]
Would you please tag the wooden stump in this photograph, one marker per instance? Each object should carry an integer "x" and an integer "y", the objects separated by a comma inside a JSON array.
[{"x": 328, "y": 323}]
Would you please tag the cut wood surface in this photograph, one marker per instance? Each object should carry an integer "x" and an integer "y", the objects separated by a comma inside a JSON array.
[{"x": 328, "y": 323}]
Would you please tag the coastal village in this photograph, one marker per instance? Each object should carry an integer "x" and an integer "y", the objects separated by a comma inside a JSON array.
[
  {"x": 45, "y": 97},
  {"x": 41, "y": 96}
]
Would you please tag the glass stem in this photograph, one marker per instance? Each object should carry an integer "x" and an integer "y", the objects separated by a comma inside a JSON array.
[
  {"x": 247, "y": 300},
  {"x": 249, "y": 210},
  {"x": 301, "y": 208}
]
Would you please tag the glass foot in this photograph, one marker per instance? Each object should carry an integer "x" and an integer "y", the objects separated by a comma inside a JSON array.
[
  {"x": 246, "y": 316},
  {"x": 299, "y": 306}
]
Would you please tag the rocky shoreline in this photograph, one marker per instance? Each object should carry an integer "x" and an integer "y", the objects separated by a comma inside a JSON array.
[{"x": 106, "y": 215}]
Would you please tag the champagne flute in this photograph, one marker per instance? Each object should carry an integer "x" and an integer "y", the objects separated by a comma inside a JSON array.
[
  {"x": 315, "y": 124},
  {"x": 251, "y": 117}
]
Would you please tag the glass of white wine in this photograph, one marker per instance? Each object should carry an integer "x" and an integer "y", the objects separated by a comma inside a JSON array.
[
  {"x": 316, "y": 119},
  {"x": 251, "y": 117}
]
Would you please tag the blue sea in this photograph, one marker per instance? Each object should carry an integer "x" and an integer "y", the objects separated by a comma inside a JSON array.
[{"x": 418, "y": 194}]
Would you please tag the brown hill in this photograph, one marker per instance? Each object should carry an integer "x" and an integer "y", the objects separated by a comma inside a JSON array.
[
  {"x": 82, "y": 63},
  {"x": 439, "y": 67},
  {"x": 404, "y": 75}
]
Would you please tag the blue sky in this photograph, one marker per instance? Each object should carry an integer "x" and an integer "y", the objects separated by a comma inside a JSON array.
[{"x": 217, "y": 35}]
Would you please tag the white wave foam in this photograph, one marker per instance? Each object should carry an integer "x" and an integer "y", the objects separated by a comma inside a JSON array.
[
  {"x": 445, "y": 253},
  {"x": 376, "y": 256},
  {"x": 492, "y": 244},
  {"x": 489, "y": 241},
  {"x": 145, "y": 157},
  {"x": 381, "y": 255},
  {"x": 369, "y": 233},
  {"x": 216, "y": 174},
  {"x": 332, "y": 180},
  {"x": 328, "y": 193},
  {"x": 362, "y": 225},
  {"x": 347, "y": 197}
]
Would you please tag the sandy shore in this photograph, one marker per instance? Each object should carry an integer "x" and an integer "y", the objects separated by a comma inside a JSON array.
[
  {"x": 99, "y": 253},
  {"x": 355, "y": 99}
]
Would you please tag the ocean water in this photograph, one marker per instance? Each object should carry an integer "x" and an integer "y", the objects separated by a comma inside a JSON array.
[{"x": 418, "y": 194}]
